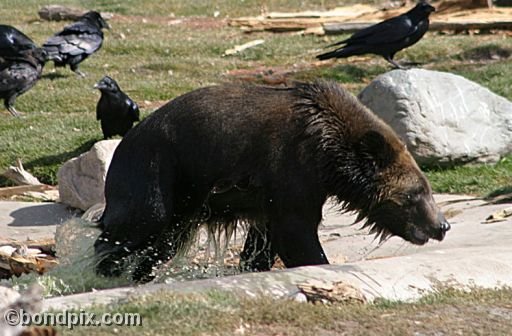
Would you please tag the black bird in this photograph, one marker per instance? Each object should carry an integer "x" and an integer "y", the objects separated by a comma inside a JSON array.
[
  {"x": 115, "y": 109},
  {"x": 19, "y": 74},
  {"x": 76, "y": 41},
  {"x": 13, "y": 43},
  {"x": 387, "y": 37}
]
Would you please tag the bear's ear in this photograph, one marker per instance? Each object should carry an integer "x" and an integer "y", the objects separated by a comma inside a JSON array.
[{"x": 374, "y": 146}]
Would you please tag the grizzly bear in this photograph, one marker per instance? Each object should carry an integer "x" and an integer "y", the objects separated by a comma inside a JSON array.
[{"x": 270, "y": 156}]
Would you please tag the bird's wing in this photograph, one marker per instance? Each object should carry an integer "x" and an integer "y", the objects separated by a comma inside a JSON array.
[
  {"x": 22, "y": 41},
  {"x": 99, "y": 114},
  {"x": 103, "y": 106},
  {"x": 75, "y": 44},
  {"x": 133, "y": 109},
  {"x": 388, "y": 31},
  {"x": 79, "y": 27},
  {"x": 13, "y": 41},
  {"x": 12, "y": 74},
  {"x": 12, "y": 37}
]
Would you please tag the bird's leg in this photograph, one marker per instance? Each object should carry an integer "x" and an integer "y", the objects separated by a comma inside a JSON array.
[
  {"x": 80, "y": 73},
  {"x": 13, "y": 111},
  {"x": 9, "y": 105},
  {"x": 74, "y": 68},
  {"x": 395, "y": 64}
]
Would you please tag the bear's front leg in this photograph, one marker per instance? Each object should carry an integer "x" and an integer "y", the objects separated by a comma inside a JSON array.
[{"x": 295, "y": 237}]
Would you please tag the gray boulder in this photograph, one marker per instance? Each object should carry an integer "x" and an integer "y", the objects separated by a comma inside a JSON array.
[
  {"x": 444, "y": 119},
  {"x": 82, "y": 179}
]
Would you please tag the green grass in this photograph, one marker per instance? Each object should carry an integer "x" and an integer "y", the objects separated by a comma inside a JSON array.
[
  {"x": 154, "y": 60},
  {"x": 477, "y": 180},
  {"x": 450, "y": 312},
  {"x": 168, "y": 8}
]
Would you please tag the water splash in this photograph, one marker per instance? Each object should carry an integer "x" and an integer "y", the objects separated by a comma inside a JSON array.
[
  {"x": 74, "y": 241},
  {"x": 213, "y": 252}
]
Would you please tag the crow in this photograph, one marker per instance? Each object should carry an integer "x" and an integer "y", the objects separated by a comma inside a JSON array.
[
  {"x": 115, "y": 109},
  {"x": 13, "y": 43},
  {"x": 387, "y": 37},
  {"x": 19, "y": 74},
  {"x": 76, "y": 41}
]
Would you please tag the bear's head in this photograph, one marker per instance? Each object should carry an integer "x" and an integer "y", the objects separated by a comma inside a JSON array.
[{"x": 403, "y": 204}]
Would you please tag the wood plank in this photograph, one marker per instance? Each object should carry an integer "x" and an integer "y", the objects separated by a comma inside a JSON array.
[
  {"x": 16, "y": 264},
  {"x": 19, "y": 190},
  {"x": 331, "y": 27},
  {"x": 46, "y": 245},
  {"x": 350, "y": 27}
]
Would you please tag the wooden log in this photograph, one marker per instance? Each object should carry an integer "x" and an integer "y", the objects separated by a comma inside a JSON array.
[
  {"x": 335, "y": 28},
  {"x": 19, "y": 190},
  {"x": 344, "y": 28},
  {"x": 19, "y": 175},
  {"x": 278, "y": 25},
  {"x": 346, "y": 12},
  {"x": 46, "y": 245},
  {"x": 20, "y": 262},
  {"x": 58, "y": 13}
]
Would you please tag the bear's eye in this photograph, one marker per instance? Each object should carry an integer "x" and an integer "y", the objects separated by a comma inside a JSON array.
[{"x": 412, "y": 197}]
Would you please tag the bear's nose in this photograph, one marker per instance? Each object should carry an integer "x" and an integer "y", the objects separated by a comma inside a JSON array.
[
  {"x": 445, "y": 226},
  {"x": 443, "y": 223}
]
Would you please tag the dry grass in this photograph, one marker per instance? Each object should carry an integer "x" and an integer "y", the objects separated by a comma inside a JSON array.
[
  {"x": 482, "y": 312},
  {"x": 157, "y": 50}
]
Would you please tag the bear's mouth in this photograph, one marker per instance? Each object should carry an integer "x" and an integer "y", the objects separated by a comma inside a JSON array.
[{"x": 418, "y": 236}]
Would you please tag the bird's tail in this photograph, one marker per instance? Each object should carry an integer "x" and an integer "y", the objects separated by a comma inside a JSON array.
[
  {"x": 327, "y": 55},
  {"x": 52, "y": 53},
  {"x": 337, "y": 43},
  {"x": 342, "y": 52}
]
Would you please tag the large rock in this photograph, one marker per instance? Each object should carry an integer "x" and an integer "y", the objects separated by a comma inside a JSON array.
[
  {"x": 443, "y": 118},
  {"x": 82, "y": 179}
]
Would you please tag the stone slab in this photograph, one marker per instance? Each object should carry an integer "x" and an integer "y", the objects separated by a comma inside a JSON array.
[
  {"x": 22, "y": 220},
  {"x": 472, "y": 254}
]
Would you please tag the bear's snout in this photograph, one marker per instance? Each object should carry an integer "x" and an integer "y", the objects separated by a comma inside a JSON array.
[{"x": 444, "y": 227}]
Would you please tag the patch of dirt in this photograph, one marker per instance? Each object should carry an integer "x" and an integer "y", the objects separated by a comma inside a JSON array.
[
  {"x": 199, "y": 23},
  {"x": 277, "y": 75},
  {"x": 204, "y": 23},
  {"x": 152, "y": 104},
  {"x": 487, "y": 53},
  {"x": 262, "y": 75}
]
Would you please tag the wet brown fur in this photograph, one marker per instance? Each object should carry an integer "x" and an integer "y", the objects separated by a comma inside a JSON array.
[{"x": 270, "y": 156}]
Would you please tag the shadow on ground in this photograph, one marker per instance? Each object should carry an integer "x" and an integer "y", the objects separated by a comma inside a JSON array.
[
  {"x": 61, "y": 157},
  {"x": 44, "y": 214}
]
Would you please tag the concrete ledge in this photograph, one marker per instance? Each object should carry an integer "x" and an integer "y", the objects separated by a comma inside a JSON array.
[{"x": 396, "y": 278}]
